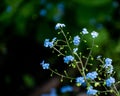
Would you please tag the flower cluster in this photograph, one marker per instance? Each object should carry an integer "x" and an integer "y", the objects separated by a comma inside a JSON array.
[
  {"x": 47, "y": 42},
  {"x": 108, "y": 65},
  {"x": 76, "y": 40},
  {"x": 94, "y": 34},
  {"x": 74, "y": 58},
  {"x": 110, "y": 81},
  {"x": 92, "y": 75}
]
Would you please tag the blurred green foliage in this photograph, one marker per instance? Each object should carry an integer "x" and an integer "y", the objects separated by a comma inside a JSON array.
[{"x": 29, "y": 80}]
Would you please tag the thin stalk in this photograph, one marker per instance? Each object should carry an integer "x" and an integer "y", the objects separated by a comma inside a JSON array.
[
  {"x": 117, "y": 93},
  {"x": 66, "y": 40},
  {"x": 63, "y": 76},
  {"x": 78, "y": 68},
  {"x": 83, "y": 74},
  {"x": 81, "y": 63},
  {"x": 58, "y": 51},
  {"x": 89, "y": 54}
]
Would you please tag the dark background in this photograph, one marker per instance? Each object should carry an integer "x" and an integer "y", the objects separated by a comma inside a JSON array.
[{"x": 24, "y": 24}]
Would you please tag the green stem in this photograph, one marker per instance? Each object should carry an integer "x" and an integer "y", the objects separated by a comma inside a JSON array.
[
  {"x": 58, "y": 51},
  {"x": 78, "y": 68},
  {"x": 83, "y": 70},
  {"x": 81, "y": 64},
  {"x": 66, "y": 40},
  {"x": 63, "y": 76},
  {"x": 89, "y": 54},
  {"x": 117, "y": 93},
  {"x": 61, "y": 41}
]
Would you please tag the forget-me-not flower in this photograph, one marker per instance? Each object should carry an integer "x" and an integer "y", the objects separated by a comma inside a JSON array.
[
  {"x": 47, "y": 42},
  {"x": 108, "y": 66},
  {"x": 108, "y": 61},
  {"x": 59, "y": 25},
  {"x": 110, "y": 81},
  {"x": 76, "y": 40},
  {"x": 94, "y": 34},
  {"x": 84, "y": 31},
  {"x": 92, "y": 75},
  {"x": 91, "y": 91},
  {"x": 67, "y": 59},
  {"x": 80, "y": 80},
  {"x": 45, "y": 65}
]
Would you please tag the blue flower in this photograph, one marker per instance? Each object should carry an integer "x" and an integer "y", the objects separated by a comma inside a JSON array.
[
  {"x": 67, "y": 88},
  {"x": 45, "y": 65},
  {"x": 91, "y": 91},
  {"x": 84, "y": 31},
  {"x": 110, "y": 81},
  {"x": 80, "y": 80},
  {"x": 94, "y": 34},
  {"x": 108, "y": 66},
  {"x": 59, "y": 25},
  {"x": 75, "y": 50},
  {"x": 67, "y": 59},
  {"x": 108, "y": 61},
  {"x": 76, "y": 40},
  {"x": 51, "y": 44},
  {"x": 47, "y": 42},
  {"x": 92, "y": 75}
]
